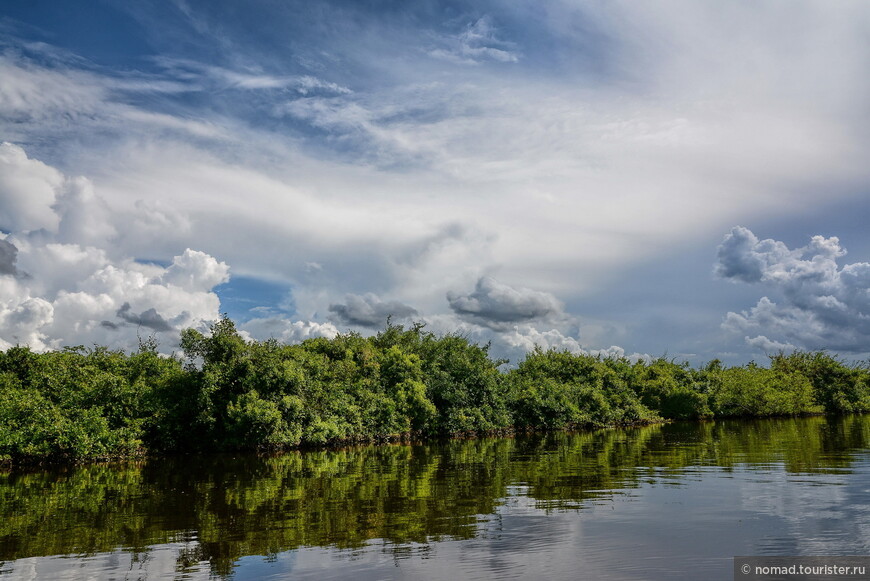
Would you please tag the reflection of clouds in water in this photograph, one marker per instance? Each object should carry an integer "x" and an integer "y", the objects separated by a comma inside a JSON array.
[
  {"x": 158, "y": 562},
  {"x": 821, "y": 514},
  {"x": 774, "y": 493},
  {"x": 524, "y": 547},
  {"x": 610, "y": 508},
  {"x": 512, "y": 542},
  {"x": 660, "y": 531}
]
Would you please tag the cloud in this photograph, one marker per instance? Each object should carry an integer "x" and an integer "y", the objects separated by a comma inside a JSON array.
[
  {"x": 478, "y": 42},
  {"x": 36, "y": 197},
  {"x": 743, "y": 257},
  {"x": 521, "y": 339},
  {"x": 202, "y": 76},
  {"x": 763, "y": 343},
  {"x": 583, "y": 140},
  {"x": 487, "y": 146},
  {"x": 331, "y": 113},
  {"x": 35, "y": 93},
  {"x": 308, "y": 84},
  {"x": 287, "y": 331},
  {"x": 740, "y": 258},
  {"x": 149, "y": 318},
  {"x": 8, "y": 257},
  {"x": 24, "y": 323},
  {"x": 84, "y": 217},
  {"x": 73, "y": 295},
  {"x": 824, "y": 306},
  {"x": 78, "y": 280},
  {"x": 196, "y": 271},
  {"x": 28, "y": 190},
  {"x": 67, "y": 101},
  {"x": 369, "y": 310},
  {"x": 498, "y": 305},
  {"x": 84, "y": 288},
  {"x": 151, "y": 221},
  {"x": 525, "y": 338}
]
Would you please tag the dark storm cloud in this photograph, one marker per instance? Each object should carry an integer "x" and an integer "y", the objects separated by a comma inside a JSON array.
[
  {"x": 149, "y": 318},
  {"x": 369, "y": 310},
  {"x": 8, "y": 258},
  {"x": 738, "y": 256},
  {"x": 494, "y": 304}
]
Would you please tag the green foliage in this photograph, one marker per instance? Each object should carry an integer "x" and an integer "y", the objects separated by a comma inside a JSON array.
[
  {"x": 675, "y": 391},
  {"x": 756, "y": 391},
  {"x": 558, "y": 389},
  {"x": 837, "y": 387},
  {"x": 464, "y": 385},
  {"x": 76, "y": 403},
  {"x": 402, "y": 377},
  {"x": 229, "y": 393}
]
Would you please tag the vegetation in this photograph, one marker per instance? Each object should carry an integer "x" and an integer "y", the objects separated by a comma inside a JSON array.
[{"x": 232, "y": 394}]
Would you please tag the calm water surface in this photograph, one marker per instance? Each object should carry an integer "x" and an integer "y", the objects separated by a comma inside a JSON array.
[{"x": 662, "y": 502}]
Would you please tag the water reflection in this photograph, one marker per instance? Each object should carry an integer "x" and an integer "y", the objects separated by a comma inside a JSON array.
[{"x": 612, "y": 500}]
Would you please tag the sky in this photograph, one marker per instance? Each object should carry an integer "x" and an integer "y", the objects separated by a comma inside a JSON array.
[{"x": 668, "y": 178}]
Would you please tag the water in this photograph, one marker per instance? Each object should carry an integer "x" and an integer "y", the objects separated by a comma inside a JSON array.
[{"x": 661, "y": 502}]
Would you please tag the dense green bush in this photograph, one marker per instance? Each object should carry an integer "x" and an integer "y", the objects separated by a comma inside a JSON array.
[
  {"x": 229, "y": 393},
  {"x": 73, "y": 403},
  {"x": 837, "y": 387},
  {"x": 677, "y": 392},
  {"x": 756, "y": 391},
  {"x": 556, "y": 389}
]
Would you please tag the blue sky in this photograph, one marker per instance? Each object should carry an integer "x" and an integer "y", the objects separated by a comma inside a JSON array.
[{"x": 667, "y": 177}]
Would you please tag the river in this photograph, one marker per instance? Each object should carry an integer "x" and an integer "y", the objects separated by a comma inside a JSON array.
[{"x": 673, "y": 501}]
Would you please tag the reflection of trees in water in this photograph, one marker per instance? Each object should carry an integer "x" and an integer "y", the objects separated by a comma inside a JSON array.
[{"x": 234, "y": 506}]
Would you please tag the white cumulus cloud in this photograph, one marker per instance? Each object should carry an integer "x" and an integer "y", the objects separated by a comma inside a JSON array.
[
  {"x": 823, "y": 305},
  {"x": 196, "y": 271},
  {"x": 28, "y": 190},
  {"x": 287, "y": 331},
  {"x": 63, "y": 279}
]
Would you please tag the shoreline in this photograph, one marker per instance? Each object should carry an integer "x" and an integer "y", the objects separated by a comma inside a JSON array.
[
  {"x": 228, "y": 394},
  {"x": 25, "y": 464}
]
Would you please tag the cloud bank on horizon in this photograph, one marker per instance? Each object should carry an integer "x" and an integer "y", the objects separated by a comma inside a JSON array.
[{"x": 521, "y": 172}]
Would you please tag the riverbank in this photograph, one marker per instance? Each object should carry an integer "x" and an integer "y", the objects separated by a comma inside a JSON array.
[{"x": 231, "y": 394}]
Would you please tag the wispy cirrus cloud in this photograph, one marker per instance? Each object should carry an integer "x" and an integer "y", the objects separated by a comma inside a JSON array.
[
  {"x": 479, "y": 41},
  {"x": 197, "y": 75}
]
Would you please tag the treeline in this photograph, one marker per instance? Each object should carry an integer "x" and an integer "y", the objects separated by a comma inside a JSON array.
[{"x": 232, "y": 394}]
